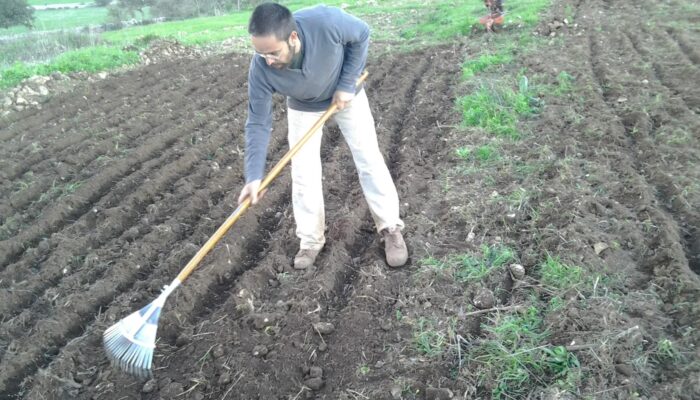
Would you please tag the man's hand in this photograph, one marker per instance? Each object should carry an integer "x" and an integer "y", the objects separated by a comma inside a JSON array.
[
  {"x": 341, "y": 99},
  {"x": 251, "y": 190}
]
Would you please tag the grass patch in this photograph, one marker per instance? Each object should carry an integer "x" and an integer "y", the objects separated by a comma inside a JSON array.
[
  {"x": 484, "y": 62},
  {"x": 90, "y": 59},
  {"x": 565, "y": 83},
  {"x": 468, "y": 267},
  {"x": 496, "y": 107},
  {"x": 484, "y": 153},
  {"x": 429, "y": 340},
  {"x": 517, "y": 359},
  {"x": 560, "y": 276}
]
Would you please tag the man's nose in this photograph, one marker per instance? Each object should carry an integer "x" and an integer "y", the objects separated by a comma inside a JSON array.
[{"x": 269, "y": 61}]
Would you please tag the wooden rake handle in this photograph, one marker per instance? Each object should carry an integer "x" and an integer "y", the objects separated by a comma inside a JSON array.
[{"x": 214, "y": 239}]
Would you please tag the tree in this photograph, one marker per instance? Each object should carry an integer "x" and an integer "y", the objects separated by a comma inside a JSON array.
[{"x": 16, "y": 12}]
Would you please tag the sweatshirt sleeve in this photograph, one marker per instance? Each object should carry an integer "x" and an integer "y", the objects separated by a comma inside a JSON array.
[
  {"x": 354, "y": 34},
  {"x": 258, "y": 125}
]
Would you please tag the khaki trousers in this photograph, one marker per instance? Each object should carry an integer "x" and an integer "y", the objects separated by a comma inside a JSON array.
[{"x": 357, "y": 126}]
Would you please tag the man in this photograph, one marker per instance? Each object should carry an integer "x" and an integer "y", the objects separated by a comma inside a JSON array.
[{"x": 314, "y": 57}]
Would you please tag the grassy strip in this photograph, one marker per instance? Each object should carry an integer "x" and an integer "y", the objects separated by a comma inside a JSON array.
[{"x": 91, "y": 59}]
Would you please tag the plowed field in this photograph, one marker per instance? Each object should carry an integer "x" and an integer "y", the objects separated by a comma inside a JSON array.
[{"x": 108, "y": 191}]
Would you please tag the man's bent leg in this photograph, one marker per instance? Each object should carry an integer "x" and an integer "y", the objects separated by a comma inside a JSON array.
[
  {"x": 357, "y": 124},
  {"x": 307, "y": 189}
]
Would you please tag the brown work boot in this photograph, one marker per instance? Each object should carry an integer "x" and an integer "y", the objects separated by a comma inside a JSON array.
[
  {"x": 395, "y": 247},
  {"x": 305, "y": 258}
]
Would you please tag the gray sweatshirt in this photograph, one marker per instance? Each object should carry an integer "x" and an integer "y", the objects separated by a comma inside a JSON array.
[{"x": 334, "y": 46}]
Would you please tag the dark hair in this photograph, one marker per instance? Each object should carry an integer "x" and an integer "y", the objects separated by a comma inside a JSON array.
[{"x": 272, "y": 19}]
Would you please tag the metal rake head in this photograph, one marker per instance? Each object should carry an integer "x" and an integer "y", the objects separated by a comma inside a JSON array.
[{"x": 130, "y": 342}]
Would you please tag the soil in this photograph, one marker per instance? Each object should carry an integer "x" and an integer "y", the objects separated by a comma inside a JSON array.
[{"x": 108, "y": 190}]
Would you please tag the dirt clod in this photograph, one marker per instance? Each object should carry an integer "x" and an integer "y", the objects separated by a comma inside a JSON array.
[
  {"x": 149, "y": 386},
  {"x": 432, "y": 393}
]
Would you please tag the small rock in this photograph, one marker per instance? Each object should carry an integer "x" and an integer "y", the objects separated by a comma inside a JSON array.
[
  {"x": 322, "y": 347},
  {"x": 218, "y": 351},
  {"x": 470, "y": 236},
  {"x": 260, "y": 351},
  {"x": 484, "y": 299},
  {"x": 43, "y": 90},
  {"x": 517, "y": 271},
  {"x": 324, "y": 328},
  {"x": 149, "y": 386},
  {"x": 314, "y": 383},
  {"x": 600, "y": 247},
  {"x": 21, "y": 101},
  {"x": 102, "y": 75},
  {"x": 224, "y": 379}
]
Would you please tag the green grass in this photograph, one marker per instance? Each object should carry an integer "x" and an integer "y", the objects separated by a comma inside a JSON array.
[
  {"x": 450, "y": 19},
  {"x": 196, "y": 31},
  {"x": 484, "y": 153},
  {"x": 90, "y": 59},
  {"x": 429, "y": 340},
  {"x": 565, "y": 83},
  {"x": 496, "y": 107},
  {"x": 484, "y": 62},
  {"x": 558, "y": 275},
  {"x": 446, "y": 21},
  {"x": 470, "y": 267},
  {"x": 517, "y": 357}
]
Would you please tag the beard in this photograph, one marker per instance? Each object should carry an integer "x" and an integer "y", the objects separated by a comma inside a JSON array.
[{"x": 284, "y": 64}]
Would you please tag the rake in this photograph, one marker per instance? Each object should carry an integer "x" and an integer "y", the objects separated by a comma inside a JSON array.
[{"x": 130, "y": 342}]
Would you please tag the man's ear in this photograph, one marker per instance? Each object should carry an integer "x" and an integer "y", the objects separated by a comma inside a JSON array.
[{"x": 294, "y": 36}]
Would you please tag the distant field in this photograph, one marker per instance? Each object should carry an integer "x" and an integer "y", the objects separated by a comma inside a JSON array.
[{"x": 46, "y": 20}]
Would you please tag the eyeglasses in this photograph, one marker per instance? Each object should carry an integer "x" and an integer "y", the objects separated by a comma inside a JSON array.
[{"x": 274, "y": 56}]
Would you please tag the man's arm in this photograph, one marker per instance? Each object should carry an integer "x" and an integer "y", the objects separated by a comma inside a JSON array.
[
  {"x": 354, "y": 34},
  {"x": 258, "y": 125}
]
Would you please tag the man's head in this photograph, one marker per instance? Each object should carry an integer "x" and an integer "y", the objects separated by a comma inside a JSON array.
[{"x": 274, "y": 34}]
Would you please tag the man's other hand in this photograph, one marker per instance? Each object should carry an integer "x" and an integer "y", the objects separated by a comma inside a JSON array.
[
  {"x": 341, "y": 99},
  {"x": 251, "y": 190}
]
